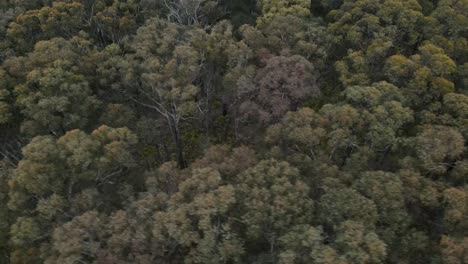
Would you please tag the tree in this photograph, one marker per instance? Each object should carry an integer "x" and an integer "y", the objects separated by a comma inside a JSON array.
[
  {"x": 353, "y": 244},
  {"x": 47, "y": 90},
  {"x": 425, "y": 76},
  {"x": 121, "y": 237},
  {"x": 436, "y": 148},
  {"x": 62, "y": 19},
  {"x": 273, "y": 199},
  {"x": 306, "y": 136},
  {"x": 340, "y": 205},
  {"x": 279, "y": 86},
  {"x": 54, "y": 101},
  {"x": 306, "y": 244},
  {"x": 272, "y": 9},
  {"x": 386, "y": 190},
  {"x": 167, "y": 76},
  {"x": 190, "y": 12},
  {"x": 448, "y": 28},
  {"x": 5, "y": 214},
  {"x": 55, "y": 179},
  {"x": 455, "y": 200},
  {"x": 111, "y": 21},
  {"x": 289, "y": 33},
  {"x": 357, "y": 244},
  {"x": 367, "y": 32},
  {"x": 371, "y": 122},
  {"x": 229, "y": 162},
  {"x": 453, "y": 250},
  {"x": 456, "y": 107},
  {"x": 5, "y": 97},
  {"x": 77, "y": 240},
  {"x": 220, "y": 53},
  {"x": 198, "y": 221},
  {"x": 360, "y": 23}
]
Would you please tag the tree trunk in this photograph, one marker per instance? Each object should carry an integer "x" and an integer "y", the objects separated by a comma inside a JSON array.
[{"x": 179, "y": 144}]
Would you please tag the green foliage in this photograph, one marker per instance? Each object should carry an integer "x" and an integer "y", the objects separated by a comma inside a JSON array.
[
  {"x": 5, "y": 214},
  {"x": 360, "y": 23},
  {"x": 54, "y": 101},
  {"x": 58, "y": 173},
  {"x": 340, "y": 205},
  {"x": 278, "y": 8},
  {"x": 250, "y": 131},
  {"x": 5, "y": 97},
  {"x": 435, "y": 146},
  {"x": 425, "y": 76},
  {"x": 60, "y": 20},
  {"x": 275, "y": 199}
]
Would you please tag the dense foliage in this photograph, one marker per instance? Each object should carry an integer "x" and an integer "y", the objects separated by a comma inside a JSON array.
[{"x": 247, "y": 131}]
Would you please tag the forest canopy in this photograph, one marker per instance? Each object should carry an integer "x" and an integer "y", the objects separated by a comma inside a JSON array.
[{"x": 246, "y": 131}]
